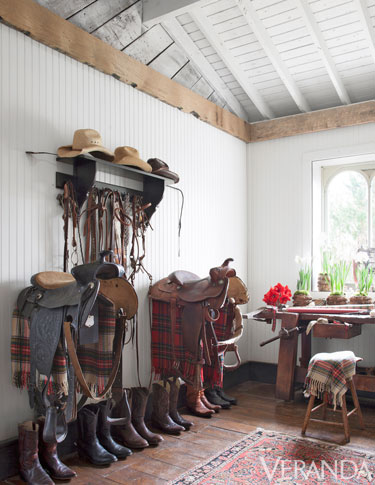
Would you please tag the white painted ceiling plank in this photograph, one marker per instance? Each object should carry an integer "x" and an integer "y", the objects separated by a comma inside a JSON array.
[
  {"x": 207, "y": 29},
  {"x": 178, "y": 34},
  {"x": 261, "y": 33},
  {"x": 366, "y": 24}
]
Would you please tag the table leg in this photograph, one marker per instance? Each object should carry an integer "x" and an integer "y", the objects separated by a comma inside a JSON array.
[
  {"x": 305, "y": 350},
  {"x": 287, "y": 359}
]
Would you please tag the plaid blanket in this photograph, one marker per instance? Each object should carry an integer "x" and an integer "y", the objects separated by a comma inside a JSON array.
[
  {"x": 95, "y": 359},
  {"x": 328, "y": 372},
  {"x": 184, "y": 365}
]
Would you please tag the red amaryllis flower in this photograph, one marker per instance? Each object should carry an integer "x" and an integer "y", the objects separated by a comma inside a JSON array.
[{"x": 277, "y": 295}]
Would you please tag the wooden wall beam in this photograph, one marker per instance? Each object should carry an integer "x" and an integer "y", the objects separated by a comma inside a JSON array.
[
  {"x": 325, "y": 119},
  {"x": 48, "y": 28}
]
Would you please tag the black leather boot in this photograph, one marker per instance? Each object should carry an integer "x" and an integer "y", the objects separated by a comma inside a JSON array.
[
  {"x": 214, "y": 398},
  {"x": 173, "y": 400},
  {"x": 126, "y": 433},
  {"x": 49, "y": 458},
  {"x": 31, "y": 470},
  {"x": 223, "y": 395},
  {"x": 88, "y": 444},
  {"x": 160, "y": 411},
  {"x": 139, "y": 397},
  {"x": 104, "y": 431}
]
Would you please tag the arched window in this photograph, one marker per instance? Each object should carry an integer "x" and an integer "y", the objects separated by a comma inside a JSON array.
[{"x": 347, "y": 212}]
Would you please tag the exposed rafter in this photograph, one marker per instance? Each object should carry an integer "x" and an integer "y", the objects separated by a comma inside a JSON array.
[
  {"x": 265, "y": 40},
  {"x": 156, "y": 11},
  {"x": 205, "y": 26},
  {"x": 182, "y": 39},
  {"x": 320, "y": 43},
  {"x": 366, "y": 24}
]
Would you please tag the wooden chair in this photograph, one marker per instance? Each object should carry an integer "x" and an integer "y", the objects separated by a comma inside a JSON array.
[{"x": 344, "y": 411}]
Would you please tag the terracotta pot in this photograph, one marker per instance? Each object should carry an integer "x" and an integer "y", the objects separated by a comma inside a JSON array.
[
  {"x": 323, "y": 282},
  {"x": 360, "y": 300},
  {"x": 301, "y": 300},
  {"x": 337, "y": 300}
]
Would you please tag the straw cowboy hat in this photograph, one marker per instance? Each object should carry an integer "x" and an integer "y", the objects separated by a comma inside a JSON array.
[
  {"x": 161, "y": 168},
  {"x": 86, "y": 141},
  {"x": 130, "y": 156}
]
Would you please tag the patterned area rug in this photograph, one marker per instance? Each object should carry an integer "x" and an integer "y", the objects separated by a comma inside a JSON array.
[{"x": 266, "y": 457}]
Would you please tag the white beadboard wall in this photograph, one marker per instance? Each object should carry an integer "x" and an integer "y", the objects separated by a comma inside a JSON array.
[
  {"x": 44, "y": 97},
  {"x": 279, "y": 180}
]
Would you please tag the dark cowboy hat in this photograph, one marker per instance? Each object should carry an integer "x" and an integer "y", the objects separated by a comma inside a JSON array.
[{"x": 161, "y": 168}]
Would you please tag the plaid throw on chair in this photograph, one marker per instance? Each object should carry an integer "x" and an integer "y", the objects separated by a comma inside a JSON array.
[{"x": 328, "y": 372}]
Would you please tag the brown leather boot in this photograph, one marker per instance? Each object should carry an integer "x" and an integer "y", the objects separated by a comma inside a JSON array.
[
  {"x": 139, "y": 397},
  {"x": 194, "y": 403},
  {"x": 215, "y": 407},
  {"x": 31, "y": 470},
  {"x": 49, "y": 459},
  {"x": 126, "y": 434},
  {"x": 160, "y": 411},
  {"x": 173, "y": 400}
]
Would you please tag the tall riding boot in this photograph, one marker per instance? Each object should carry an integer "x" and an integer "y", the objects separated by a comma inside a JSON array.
[
  {"x": 88, "y": 444},
  {"x": 31, "y": 470},
  {"x": 173, "y": 400},
  {"x": 215, "y": 407},
  {"x": 139, "y": 403},
  {"x": 194, "y": 403},
  {"x": 126, "y": 433},
  {"x": 160, "y": 411},
  {"x": 104, "y": 431},
  {"x": 49, "y": 459},
  {"x": 214, "y": 398},
  {"x": 223, "y": 395}
]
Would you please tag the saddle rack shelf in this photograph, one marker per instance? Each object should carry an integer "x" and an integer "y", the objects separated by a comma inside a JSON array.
[{"x": 84, "y": 177}]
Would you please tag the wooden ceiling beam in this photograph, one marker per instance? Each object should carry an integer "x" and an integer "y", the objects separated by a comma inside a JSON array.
[
  {"x": 205, "y": 26},
  {"x": 183, "y": 40},
  {"x": 368, "y": 29},
  {"x": 318, "y": 39},
  {"x": 325, "y": 119},
  {"x": 273, "y": 54},
  {"x": 48, "y": 28}
]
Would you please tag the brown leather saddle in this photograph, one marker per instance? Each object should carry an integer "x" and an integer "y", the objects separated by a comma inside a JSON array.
[
  {"x": 62, "y": 308},
  {"x": 199, "y": 301}
]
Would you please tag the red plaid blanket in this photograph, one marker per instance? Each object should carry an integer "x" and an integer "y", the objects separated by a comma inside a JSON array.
[
  {"x": 185, "y": 366},
  {"x": 96, "y": 359}
]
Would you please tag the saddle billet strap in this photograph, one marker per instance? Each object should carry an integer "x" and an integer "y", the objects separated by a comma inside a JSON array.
[{"x": 77, "y": 366}]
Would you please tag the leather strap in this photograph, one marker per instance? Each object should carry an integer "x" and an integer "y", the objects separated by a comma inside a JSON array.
[
  {"x": 77, "y": 366},
  {"x": 173, "y": 308}
]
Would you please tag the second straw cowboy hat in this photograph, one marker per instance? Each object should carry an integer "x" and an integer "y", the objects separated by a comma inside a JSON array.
[
  {"x": 130, "y": 156},
  {"x": 86, "y": 141}
]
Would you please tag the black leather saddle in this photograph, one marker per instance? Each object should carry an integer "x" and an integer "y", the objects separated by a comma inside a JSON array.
[{"x": 55, "y": 304}]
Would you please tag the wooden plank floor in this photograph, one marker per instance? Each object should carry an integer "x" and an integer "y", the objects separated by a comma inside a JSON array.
[{"x": 256, "y": 407}]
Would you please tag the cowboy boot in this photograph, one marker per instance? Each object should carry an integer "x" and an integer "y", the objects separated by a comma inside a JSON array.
[
  {"x": 126, "y": 433},
  {"x": 160, "y": 411},
  {"x": 88, "y": 444},
  {"x": 104, "y": 431},
  {"x": 215, "y": 407},
  {"x": 194, "y": 403},
  {"x": 223, "y": 395},
  {"x": 173, "y": 412},
  {"x": 214, "y": 398},
  {"x": 49, "y": 459},
  {"x": 31, "y": 470},
  {"x": 139, "y": 403}
]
